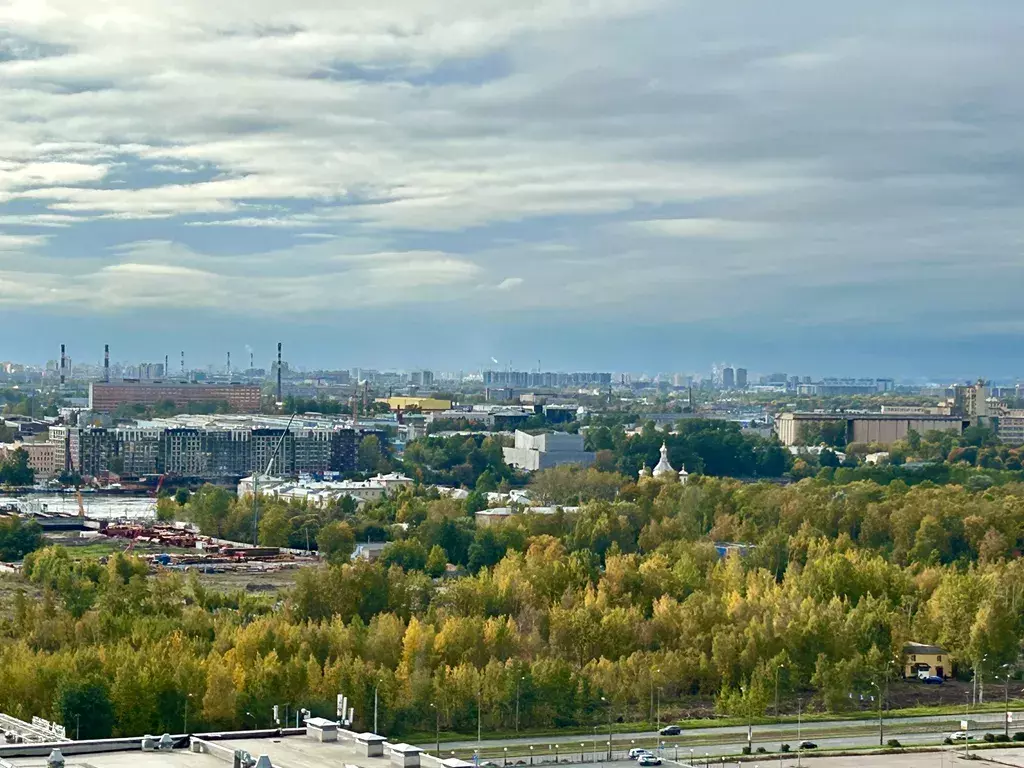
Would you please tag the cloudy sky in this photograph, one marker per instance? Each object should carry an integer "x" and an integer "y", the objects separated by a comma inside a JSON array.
[{"x": 615, "y": 184}]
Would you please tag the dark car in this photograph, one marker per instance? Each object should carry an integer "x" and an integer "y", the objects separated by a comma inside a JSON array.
[
  {"x": 808, "y": 745},
  {"x": 932, "y": 680},
  {"x": 671, "y": 730}
]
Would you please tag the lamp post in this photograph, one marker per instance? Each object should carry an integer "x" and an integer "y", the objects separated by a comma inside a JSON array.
[
  {"x": 653, "y": 673},
  {"x": 981, "y": 680},
  {"x": 658, "y": 726},
  {"x": 505, "y": 758},
  {"x": 376, "y": 688},
  {"x": 78, "y": 726},
  {"x": 799, "y": 722},
  {"x": 531, "y": 754},
  {"x": 437, "y": 730},
  {"x": 479, "y": 717},
  {"x": 1006, "y": 700},
  {"x": 777, "y": 670},
  {"x": 186, "y": 714},
  {"x": 520, "y": 680},
  {"x": 881, "y": 737},
  {"x": 255, "y": 722},
  {"x": 609, "y": 702},
  {"x": 750, "y": 723},
  {"x": 595, "y": 738}
]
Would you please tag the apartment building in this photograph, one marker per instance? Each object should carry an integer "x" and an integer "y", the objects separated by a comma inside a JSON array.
[{"x": 214, "y": 452}]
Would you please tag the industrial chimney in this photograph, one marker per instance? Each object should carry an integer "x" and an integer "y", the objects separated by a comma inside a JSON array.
[
  {"x": 62, "y": 359},
  {"x": 106, "y": 363},
  {"x": 229, "y": 367},
  {"x": 280, "y": 399},
  {"x": 182, "y": 365},
  {"x": 167, "y": 366}
]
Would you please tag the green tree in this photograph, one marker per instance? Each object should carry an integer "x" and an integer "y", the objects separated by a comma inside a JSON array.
[
  {"x": 166, "y": 509},
  {"x": 409, "y": 555},
  {"x": 275, "y": 527},
  {"x": 336, "y": 542},
  {"x": 86, "y": 710},
  {"x": 210, "y": 507},
  {"x": 368, "y": 457},
  {"x": 14, "y": 470},
  {"x": 18, "y": 537},
  {"x": 437, "y": 561},
  {"x": 181, "y": 496}
]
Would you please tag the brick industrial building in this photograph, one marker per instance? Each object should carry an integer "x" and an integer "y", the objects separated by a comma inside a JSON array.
[{"x": 105, "y": 397}]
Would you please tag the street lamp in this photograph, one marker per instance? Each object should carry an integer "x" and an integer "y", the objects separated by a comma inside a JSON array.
[
  {"x": 653, "y": 673},
  {"x": 799, "y": 723},
  {"x": 658, "y": 726},
  {"x": 255, "y": 722},
  {"x": 609, "y": 702},
  {"x": 376, "y": 688},
  {"x": 437, "y": 730},
  {"x": 531, "y": 754},
  {"x": 750, "y": 724},
  {"x": 78, "y": 726},
  {"x": 186, "y": 713},
  {"x": 881, "y": 737},
  {"x": 520, "y": 680},
  {"x": 505, "y": 758},
  {"x": 777, "y": 670},
  {"x": 980, "y": 674},
  {"x": 1006, "y": 700}
]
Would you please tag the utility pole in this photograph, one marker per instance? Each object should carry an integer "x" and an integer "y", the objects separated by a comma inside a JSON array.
[
  {"x": 1006, "y": 700},
  {"x": 479, "y": 719}
]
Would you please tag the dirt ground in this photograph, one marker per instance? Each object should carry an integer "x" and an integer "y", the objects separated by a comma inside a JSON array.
[{"x": 275, "y": 581}]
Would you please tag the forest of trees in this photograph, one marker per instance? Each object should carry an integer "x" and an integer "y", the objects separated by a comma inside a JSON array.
[{"x": 624, "y": 596}]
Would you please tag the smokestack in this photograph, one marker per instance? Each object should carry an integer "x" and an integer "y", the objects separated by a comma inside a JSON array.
[
  {"x": 62, "y": 365},
  {"x": 182, "y": 365},
  {"x": 229, "y": 367},
  {"x": 106, "y": 363},
  {"x": 280, "y": 399},
  {"x": 252, "y": 360},
  {"x": 167, "y": 366}
]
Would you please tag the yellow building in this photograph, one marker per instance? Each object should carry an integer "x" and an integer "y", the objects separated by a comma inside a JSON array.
[
  {"x": 422, "y": 404},
  {"x": 918, "y": 658}
]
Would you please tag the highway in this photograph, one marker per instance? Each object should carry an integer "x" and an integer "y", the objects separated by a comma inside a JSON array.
[{"x": 729, "y": 740}]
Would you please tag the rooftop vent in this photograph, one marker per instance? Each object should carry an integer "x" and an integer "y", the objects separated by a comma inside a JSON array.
[{"x": 55, "y": 760}]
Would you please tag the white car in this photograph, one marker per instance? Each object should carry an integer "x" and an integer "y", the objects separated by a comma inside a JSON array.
[
  {"x": 636, "y": 753},
  {"x": 960, "y": 736}
]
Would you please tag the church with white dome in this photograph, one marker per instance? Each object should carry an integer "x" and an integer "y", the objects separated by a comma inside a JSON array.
[{"x": 665, "y": 469}]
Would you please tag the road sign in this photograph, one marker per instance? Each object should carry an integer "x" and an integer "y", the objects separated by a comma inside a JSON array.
[
  {"x": 965, "y": 725},
  {"x": 1009, "y": 717}
]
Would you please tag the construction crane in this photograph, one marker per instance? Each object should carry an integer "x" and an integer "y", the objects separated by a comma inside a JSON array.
[
  {"x": 81, "y": 502},
  {"x": 160, "y": 485},
  {"x": 256, "y": 483}
]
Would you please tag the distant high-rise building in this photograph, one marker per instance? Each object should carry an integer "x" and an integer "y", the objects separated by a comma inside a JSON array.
[
  {"x": 741, "y": 378},
  {"x": 728, "y": 378}
]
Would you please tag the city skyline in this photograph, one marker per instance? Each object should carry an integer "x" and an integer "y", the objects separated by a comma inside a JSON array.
[{"x": 596, "y": 184}]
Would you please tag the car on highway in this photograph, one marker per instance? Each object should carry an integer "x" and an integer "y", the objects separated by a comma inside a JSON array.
[
  {"x": 671, "y": 730},
  {"x": 807, "y": 745},
  {"x": 637, "y": 752},
  {"x": 960, "y": 736},
  {"x": 648, "y": 760}
]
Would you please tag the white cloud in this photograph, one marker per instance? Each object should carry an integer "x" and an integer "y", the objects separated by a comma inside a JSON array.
[
  {"x": 699, "y": 228},
  {"x": 418, "y": 152}
]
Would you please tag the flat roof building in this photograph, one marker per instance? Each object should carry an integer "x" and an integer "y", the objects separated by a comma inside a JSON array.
[
  {"x": 884, "y": 428},
  {"x": 106, "y": 397}
]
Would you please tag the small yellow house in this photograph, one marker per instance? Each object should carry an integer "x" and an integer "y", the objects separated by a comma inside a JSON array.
[{"x": 918, "y": 658}]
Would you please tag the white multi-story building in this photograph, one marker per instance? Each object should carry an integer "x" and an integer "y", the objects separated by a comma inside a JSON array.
[{"x": 533, "y": 452}]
